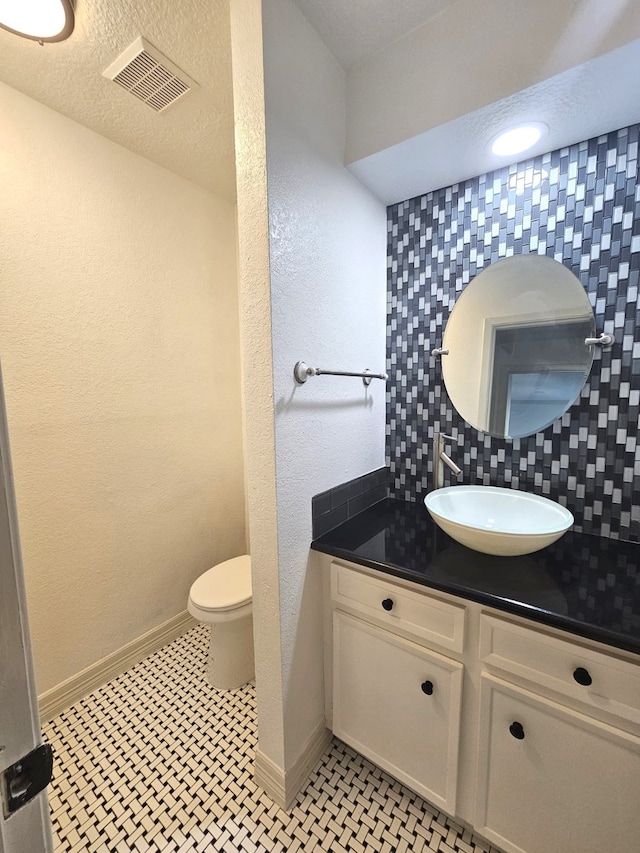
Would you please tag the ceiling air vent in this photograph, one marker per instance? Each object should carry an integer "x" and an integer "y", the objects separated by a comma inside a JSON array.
[{"x": 150, "y": 76}]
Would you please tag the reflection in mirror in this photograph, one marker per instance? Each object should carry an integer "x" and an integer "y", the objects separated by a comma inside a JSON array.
[{"x": 517, "y": 357}]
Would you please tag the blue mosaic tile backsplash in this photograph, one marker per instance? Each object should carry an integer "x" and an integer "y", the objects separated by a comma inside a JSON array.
[{"x": 581, "y": 206}]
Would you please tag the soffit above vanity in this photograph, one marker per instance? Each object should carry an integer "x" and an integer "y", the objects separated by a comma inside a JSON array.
[{"x": 422, "y": 111}]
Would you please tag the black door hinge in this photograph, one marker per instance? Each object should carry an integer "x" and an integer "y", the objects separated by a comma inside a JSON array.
[{"x": 26, "y": 778}]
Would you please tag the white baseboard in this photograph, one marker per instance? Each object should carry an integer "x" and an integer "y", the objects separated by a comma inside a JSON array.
[
  {"x": 55, "y": 700},
  {"x": 270, "y": 777},
  {"x": 313, "y": 751},
  {"x": 283, "y": 786}
]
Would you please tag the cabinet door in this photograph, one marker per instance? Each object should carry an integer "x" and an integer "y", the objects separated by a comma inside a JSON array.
[
  {"x": 398, "y": 704},
  {"x": 551, "y": 779}
]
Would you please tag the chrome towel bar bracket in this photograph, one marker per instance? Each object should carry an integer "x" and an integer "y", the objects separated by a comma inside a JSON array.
[{"x": 302, "y": 371}]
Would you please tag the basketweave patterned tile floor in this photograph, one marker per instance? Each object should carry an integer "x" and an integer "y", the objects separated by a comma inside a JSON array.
[{"x": 157, "y": 761}]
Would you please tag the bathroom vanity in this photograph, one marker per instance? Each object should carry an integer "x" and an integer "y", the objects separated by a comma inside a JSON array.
[{"x": 504, "y": 690}]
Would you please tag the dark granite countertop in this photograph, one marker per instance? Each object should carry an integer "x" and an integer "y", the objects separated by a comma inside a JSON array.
[{"x": 582, "y": 583}]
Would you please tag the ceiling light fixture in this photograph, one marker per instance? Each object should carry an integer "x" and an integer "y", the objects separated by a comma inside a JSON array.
[
  {"x": 39, "y": 20},
  {"x": 518, "y": 139}
]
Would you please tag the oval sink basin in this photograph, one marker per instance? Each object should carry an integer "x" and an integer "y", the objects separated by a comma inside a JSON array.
[{"x": 504, "y": 522}]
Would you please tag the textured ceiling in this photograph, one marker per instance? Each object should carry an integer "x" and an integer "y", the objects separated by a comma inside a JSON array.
[
  {"x": 355, "y": 29},
  {"x": 194, "y": 137}
]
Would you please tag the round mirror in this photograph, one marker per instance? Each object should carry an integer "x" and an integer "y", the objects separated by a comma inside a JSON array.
[{"x": 517, "y": 356}]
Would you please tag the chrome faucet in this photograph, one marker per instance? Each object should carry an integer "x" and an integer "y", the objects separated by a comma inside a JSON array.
[{"x": 440, "y": 459}]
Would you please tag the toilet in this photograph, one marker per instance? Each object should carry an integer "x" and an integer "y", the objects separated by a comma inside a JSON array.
[{"x": 221, "y": 598}]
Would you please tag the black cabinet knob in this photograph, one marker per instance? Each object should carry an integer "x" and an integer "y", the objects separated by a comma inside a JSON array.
[
  {"x": 581, "y": 675},
  {"x": 427, "y": 687},
  {"x": 388, "y": 604},
  {"x": 516, "y": 730}
]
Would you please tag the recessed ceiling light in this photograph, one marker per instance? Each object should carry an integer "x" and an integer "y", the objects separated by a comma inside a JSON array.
[
  {"x": 518, "y": 139},
  {"x": 40, "y": 20}
]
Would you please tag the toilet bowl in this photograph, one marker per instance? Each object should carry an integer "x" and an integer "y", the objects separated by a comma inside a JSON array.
[{"x": 221, "y": 598}]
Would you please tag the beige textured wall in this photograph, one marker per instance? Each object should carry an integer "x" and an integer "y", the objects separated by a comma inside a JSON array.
[{"x": 120, "y": 352}]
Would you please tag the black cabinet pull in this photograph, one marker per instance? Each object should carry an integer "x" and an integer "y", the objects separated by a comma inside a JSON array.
[
  {"x": 388, "y": 604},
  {"x": 581, "y": 675},
  {"x": 427, "y": 687},
  {"x": 516, "y": 730}
]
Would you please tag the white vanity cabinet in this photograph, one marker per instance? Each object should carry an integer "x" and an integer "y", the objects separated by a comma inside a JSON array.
[
  {"x": 526, "y": 733},
  {"x": 558, "y": 758},
  {"x": 395, "y": 699},
  {"x": 553, "y": 779}
]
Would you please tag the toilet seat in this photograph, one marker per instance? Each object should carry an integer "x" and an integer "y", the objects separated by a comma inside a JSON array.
[{"x": 224, "y": 587}]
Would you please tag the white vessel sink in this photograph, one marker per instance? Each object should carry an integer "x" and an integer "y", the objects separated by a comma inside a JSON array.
[{"x": 498, "y": 521}]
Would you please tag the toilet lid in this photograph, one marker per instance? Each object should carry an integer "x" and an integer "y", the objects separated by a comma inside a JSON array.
[{"x": 225, "y": 586}]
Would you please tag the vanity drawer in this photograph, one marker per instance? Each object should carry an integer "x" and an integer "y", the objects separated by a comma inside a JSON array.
[
  {"x": 399, "y": 609},
  {"x": 600, "y": 680}
]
